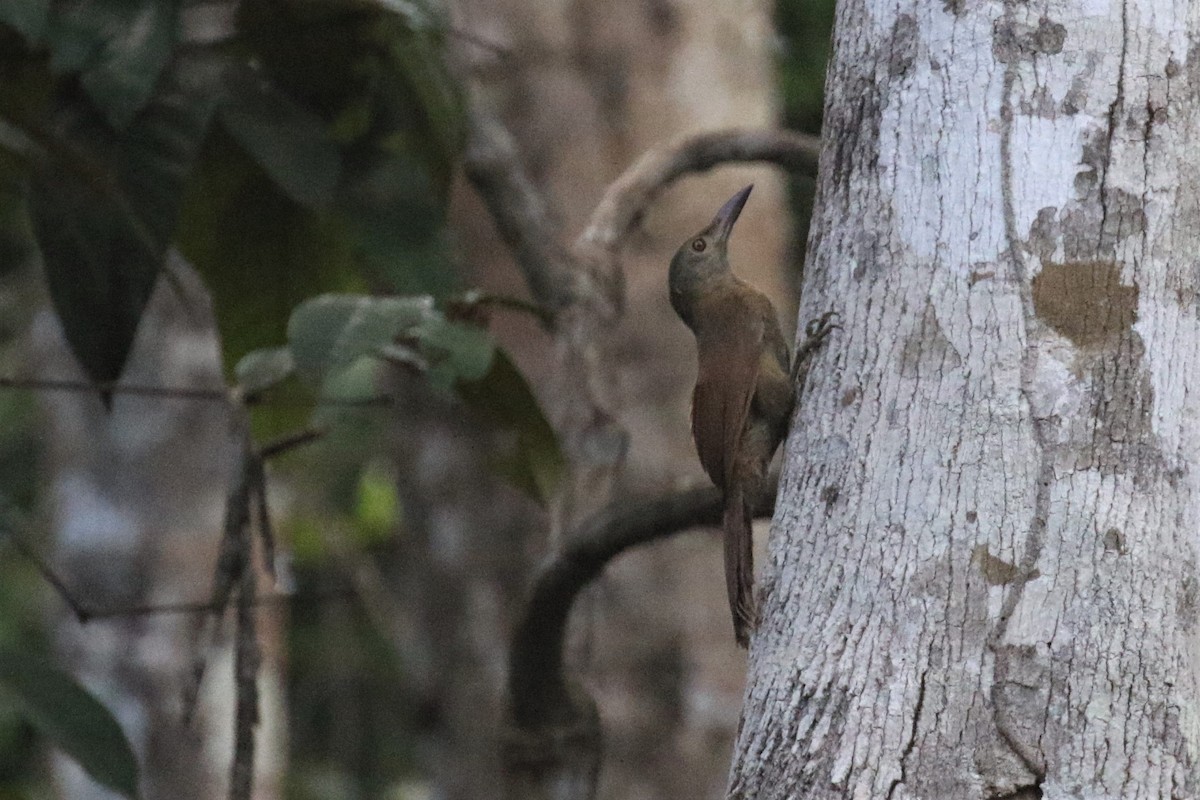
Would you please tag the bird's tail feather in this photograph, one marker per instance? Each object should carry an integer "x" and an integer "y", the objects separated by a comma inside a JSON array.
[{"x": 739, "y": 566}]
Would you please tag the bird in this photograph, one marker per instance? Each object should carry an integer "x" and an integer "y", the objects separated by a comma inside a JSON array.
[{"x": 745, "y": 388}]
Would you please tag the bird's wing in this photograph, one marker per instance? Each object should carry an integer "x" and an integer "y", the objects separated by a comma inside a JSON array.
[{"x": 729, "y": 344}]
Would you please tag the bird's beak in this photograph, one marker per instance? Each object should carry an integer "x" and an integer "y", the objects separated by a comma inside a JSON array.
[{"x": 722, "y": 224}]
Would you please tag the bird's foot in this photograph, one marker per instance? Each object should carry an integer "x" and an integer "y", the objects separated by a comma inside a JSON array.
[
  {"x": 821, "y": 327},
  {"x": 815, "y": 333}
]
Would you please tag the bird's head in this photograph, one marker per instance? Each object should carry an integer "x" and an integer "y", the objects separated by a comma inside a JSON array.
[{"x": 706, "y": 254}]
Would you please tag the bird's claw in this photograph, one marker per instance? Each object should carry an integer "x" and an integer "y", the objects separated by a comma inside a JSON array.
[
  {"x": 816, "y": 331},
  {"x": 822, "y": 326}
]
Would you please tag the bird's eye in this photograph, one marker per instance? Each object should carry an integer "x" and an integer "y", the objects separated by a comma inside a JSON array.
[{"x": 698, "y": 245}]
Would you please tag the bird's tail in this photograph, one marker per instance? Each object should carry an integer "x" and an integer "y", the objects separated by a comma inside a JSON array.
[{"x": 739, "y": 565}]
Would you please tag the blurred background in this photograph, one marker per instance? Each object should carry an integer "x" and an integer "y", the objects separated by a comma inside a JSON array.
[{"x": 331, "y": 160}]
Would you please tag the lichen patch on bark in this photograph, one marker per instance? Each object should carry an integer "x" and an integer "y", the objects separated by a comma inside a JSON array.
[
  {"x": 1085, "y": 301},
  {"x": 1018, "y": 41},
  {"x": 996, "y": 571}
]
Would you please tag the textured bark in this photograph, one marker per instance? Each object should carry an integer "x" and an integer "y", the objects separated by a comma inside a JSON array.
[{"x": 983, "y": 582}]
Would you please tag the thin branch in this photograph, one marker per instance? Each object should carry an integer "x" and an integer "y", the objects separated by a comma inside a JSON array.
[
  {"x": 538, "y": 692},
  {"x": 247, "y": 662},
  {"x": 77, "y": 606},
  {"x": 468, "y": 302},
  {"x": 262, "y": 515},
  {"x": 214, "y": 394},
  {"x": 85, "y": 613},
  {"x": 235, "y": 558},
  {"x": 288, "y": 442},
  {"x": 207, "y": 606},
  {"x": 112, "y": 387}
]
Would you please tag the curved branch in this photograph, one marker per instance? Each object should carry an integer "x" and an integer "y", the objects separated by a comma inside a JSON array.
[
  {"x": 538, "y": 691},
  {"x": 590, "y": 270},
  {"x": 628, "y": 197}
]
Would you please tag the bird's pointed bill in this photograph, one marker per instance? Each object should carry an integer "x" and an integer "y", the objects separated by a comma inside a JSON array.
[{"x": 722, "y": 224}]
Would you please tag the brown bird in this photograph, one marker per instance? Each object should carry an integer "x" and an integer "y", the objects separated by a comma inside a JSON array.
[{"x": 745, "y": 389}]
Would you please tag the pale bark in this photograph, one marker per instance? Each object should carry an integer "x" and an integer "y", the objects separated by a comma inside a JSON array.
[{"x": 983, "y": 578}]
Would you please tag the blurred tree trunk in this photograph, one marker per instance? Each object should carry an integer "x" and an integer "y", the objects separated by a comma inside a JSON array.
[
  {"x": 984, "y": 583},
  {"x": 587, "y": 87},
  {"x": 136, "y": 498}
]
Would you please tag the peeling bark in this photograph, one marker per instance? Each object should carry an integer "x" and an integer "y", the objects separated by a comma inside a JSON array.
[{"x": 982, "y": 577}]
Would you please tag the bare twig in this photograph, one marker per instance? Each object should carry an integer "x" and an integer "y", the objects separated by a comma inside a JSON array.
[
  {"x": 233, "y": 560},
  {"x": 67, "y": 385},
  {"x": 590, "y": 271},
  {"x": 262, "y": 514},
  {"x": 215, "y": 394},
  {"x": 466, "y": 303},
  {"x": 247, "y": 661},
  {"x": 15, "y": 530},
  {"x": 77, "y": 606},
  {"x": 288, "y": 442},
  {"x": 207, "y": 606}
]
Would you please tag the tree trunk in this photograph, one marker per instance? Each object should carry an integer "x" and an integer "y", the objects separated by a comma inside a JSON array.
[{"x": 983, "y": 580}]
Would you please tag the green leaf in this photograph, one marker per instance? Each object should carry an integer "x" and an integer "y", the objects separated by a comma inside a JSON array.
[
  {"x": 377, "y": 75},
  {"x": 260, "y": 253},
  {"x": 104, "y": 208},
  {"x": 502, "y": 398},
  {"x": 418, "y": 56},
  {"x": 328, "y": 333},
  {"x": 454, "y": 351},
  {"x": 259, "y": 370},
  {"x": 70, "y": 717},
  {"x": 290, "y": 143},
  {"x": 120, "y": 46}
]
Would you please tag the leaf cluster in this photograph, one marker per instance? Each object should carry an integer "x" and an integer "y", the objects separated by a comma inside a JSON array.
[
  {"x": 297, "y": 160},
  {"x": 308, "y": 149}
]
